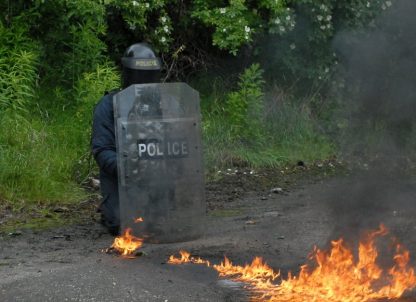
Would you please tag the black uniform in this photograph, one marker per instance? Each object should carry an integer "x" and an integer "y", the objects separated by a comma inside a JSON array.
[
  {"x": 140, "y": 65},
  {"x": 104, "y": 151}
]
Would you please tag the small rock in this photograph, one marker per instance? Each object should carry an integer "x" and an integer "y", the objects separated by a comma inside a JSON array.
[
  {"x": 276, "y": 190},
  {"x": 95, "y": 183},
  {"x": 271, "y": 214},
  {"x": 264, "y": 198},
  {"x": 15, "y": 233},
  {"x": 61, "y": 210},
  {"x": 250, "y": 222},
  {"x": 281, "y": 237}
]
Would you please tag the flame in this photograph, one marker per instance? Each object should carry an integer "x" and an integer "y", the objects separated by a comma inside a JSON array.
[
  {"x": 336, "y": 275},
  {"x": 186, "y": 258},
  {"x": 138, "y": 220},
  {"x": 257, "y": 272},
  {"x": 127, "y": 244}
]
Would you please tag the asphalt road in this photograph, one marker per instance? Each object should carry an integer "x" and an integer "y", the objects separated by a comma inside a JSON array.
[{"x": 69, "y": 264}]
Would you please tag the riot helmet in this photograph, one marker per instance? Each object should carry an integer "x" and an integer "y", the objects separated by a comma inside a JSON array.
[{"x": 140, "y": 65}]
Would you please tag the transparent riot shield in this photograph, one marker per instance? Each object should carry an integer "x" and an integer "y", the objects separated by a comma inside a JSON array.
[{"x": 159, "y": 159}]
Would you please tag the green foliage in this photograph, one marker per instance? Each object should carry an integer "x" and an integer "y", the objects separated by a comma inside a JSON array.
[
  {"x": 300, "y": 31},
  {"x": 18, "y": 68},
  {"x": 72, "y": 39},
  {"x": 145, "y": 20},
  {"x": 36, "y": 164},
  {"x": 55, "y": 64},
  {"x": 288, "y": 131},
  {"x": 89, "y": 89},
  {"x": 92, "y": 86},
  {"x": 45, "y": 155},
  {"x": 244, "y": 107},
  {"x": 231, "y": 24}
]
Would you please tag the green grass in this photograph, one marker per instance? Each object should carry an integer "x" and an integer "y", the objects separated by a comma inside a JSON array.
[
  {"x": 288, "y": 135},
  {"x": 39, "y": 162}
]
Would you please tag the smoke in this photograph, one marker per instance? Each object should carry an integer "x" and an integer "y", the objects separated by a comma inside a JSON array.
[
  {"x": 380, "y": 107},
  {"x": 380, "y": 66}
]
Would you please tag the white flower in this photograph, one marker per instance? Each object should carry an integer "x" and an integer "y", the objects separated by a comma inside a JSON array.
[
  {"x": 368, "y": 4},
  {"x": 246, "y": 37},
  {"x": 328, "y": 18},
  {"x": 323, "y": 7},
  {"x": 247, "y": 29},
  {"x": 292, "y": 46},
  {"x": 147, "y": 5},
  {"x": 319, "y": 17},
  {"x": 383, "y": 7},
  {"x": 163, "y": 19},
  {"x": 323, "y": 27},
  {"x": 282, "y": 29},
  {"x": 223, "y": 10},
  {"x": 166, "y": 28},
  {"x": 277, "y": 21},
  {"x": 288, "y": 18},
  {"x": 326, "y": 70},
  {"x": 135, "y": 3},
  {"x": 388, "y": 3},
  {"x": 163, "y": 39},
  {"x": 224, "y": 29}
]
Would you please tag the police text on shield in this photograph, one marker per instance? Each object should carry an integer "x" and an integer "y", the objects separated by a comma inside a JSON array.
[{"x": 156, "y": 149}]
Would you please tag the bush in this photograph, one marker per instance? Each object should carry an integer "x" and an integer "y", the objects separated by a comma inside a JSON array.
[
  {"x": 244, "y": 107},
  {"x": 19, "y": 60},
  {"x": 281, "y": 130}
]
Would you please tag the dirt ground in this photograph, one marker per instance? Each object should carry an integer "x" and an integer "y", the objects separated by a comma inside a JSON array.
[{"x": 279, "y": 215}]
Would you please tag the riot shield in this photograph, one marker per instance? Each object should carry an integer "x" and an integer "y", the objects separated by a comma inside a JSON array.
[{"x": 159, "y": 160}]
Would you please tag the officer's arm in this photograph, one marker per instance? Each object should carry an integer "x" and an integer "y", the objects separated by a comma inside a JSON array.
[{"x": 103, "y": 138}]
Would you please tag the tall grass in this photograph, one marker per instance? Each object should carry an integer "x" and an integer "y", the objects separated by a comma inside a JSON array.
[
  {"x": 19, "y": 58},
  {"x": 45, "y": 155},
  {"x": 286, "y": 132},
  {"x": 36, "y": 164}
]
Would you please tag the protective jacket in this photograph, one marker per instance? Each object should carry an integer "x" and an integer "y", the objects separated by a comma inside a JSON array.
[{"x": 104, "y": 151}]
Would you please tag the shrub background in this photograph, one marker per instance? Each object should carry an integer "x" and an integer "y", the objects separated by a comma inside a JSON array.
[{"x": 264, "y": 68}]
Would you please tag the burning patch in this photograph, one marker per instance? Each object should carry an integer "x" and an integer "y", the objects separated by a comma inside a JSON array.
[
  {"x": 335, "y": 275},
  {"x": 187, "y": 258},
  {"x": 127, "y": 244}
]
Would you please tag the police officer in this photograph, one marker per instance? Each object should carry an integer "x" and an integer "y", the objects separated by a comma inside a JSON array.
[{"x": 139, "y": 65}]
